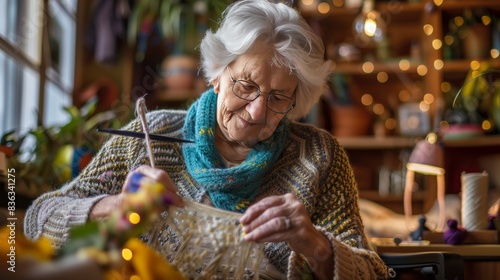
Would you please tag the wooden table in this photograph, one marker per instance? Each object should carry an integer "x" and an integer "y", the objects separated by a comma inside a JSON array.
[
  {"x": 481, "y": 261},
  {"x": 476, "y": 252}
]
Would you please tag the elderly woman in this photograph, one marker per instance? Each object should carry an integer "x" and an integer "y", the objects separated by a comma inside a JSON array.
[{"x": 292, "y": 181}]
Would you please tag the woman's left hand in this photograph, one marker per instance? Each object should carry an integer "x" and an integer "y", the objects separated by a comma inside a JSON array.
[{"x": 284, "y": 218}]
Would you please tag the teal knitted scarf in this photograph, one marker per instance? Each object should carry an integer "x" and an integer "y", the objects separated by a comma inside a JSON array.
[{"x": 229, "y": 188}]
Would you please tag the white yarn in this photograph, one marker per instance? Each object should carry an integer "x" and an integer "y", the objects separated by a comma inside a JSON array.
[
  {"x": 203, "y": 242},
  {"x": 475, "y": 201}
]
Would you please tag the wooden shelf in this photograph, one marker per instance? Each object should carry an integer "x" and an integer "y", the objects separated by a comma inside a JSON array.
[
  {"x": 460, "y": 5},
  {"x": 398, "y": 9},
  {"x": 373, "y": 143},
  {"x": 381, "y": 143},
  {"x": 355, "y": 68},
  {"x": 472, "y": 237},
  {"x": 482, "y": 141},
  {"x": 392, "y": 67},
  {"x": 458, "y": 66},
  {"x": 485, "y": 252}
]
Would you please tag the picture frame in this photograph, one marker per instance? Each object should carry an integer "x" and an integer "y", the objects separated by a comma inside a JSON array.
[{"x": 413, "y": 121}]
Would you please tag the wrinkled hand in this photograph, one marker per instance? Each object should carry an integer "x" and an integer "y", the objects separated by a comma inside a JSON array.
[
  {"x": 280, "y": 218},
  {"x": 284, "y": 218},
  {"x": 103, "y": 208},
  {"x": 144, "y": 172}
]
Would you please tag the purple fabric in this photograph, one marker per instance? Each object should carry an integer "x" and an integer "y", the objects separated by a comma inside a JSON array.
[{"x": 455, "y": 234}]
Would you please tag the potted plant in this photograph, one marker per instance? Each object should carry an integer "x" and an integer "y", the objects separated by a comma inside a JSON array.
[
  {"x": 348, "y": 117},
  {"x": 181, "y": 23},
  {"x": 475, "y": 108},
  {"x": 57, "y": 152},
  {"x": 476, "y": 33}
]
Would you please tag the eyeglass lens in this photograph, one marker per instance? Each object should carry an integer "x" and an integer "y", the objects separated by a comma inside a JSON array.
[{"x": 248, "y": 91}]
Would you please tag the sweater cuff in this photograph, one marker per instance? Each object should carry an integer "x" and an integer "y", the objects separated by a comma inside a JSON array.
[
  {"x": 342, "y": 261},
  {"x": 72, "y": 213}
]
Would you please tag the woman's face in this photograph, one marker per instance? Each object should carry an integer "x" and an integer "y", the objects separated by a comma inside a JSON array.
[{"x": 249, "y": 122}]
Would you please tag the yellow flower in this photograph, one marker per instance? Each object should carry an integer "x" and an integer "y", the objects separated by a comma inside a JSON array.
[
  {"x": 14, "y": 244},
  {"x": 144, "y": 263}
]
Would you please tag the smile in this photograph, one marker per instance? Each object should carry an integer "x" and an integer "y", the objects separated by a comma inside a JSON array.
[{"x": 245, "y": 122}]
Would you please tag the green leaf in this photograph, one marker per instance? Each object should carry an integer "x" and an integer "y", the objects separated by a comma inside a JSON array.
[
  {"x": 135, "y": 21},
  {"x": 72, "y": 111},
  {"x": 86, "y": 235},
  {"x": 99, "y": 118},
  {"x": 7, "y": 137},
  {"x": 165, "y": 19},
  {"x": 89, "y": 108}
]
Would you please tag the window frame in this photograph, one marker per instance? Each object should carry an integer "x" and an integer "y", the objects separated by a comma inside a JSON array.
[{"x": 24, "y": 43}]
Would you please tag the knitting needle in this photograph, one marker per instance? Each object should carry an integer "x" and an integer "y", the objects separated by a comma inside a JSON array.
[
  {"x": 141, "y": 111},
  {"x": 143, "y": 136}
]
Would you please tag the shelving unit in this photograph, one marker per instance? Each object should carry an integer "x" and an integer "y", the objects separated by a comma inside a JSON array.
[
  {"x": 417, "y": 77},
  {"x": 368, "y": 153}
]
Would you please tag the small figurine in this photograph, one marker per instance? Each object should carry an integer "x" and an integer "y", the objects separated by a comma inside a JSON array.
[
  {"x": 397, "y": 240},
  {"x": 455, "y": 234},
  {"x": 418, "y": 234}
]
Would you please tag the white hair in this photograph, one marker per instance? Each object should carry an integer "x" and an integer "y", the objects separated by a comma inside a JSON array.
[{"x": 280, "y": 26}]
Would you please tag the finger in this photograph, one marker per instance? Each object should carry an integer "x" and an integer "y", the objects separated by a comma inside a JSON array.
[
  {"x": 270, "y": 215},
  {"x": 257, "y": 209},
  {"x": 157, "y": 175},
  {"x": 274, "y": 229},
  {"x": 138, "y": 177}
]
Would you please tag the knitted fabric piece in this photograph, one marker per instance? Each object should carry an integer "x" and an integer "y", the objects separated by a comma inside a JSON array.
[
  {"x": 312, "y": 165},
  {"x": 229, "y": 188},
  {"x": 203, "y": 242}
]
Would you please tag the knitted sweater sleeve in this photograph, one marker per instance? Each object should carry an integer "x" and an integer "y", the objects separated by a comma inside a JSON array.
[
  {"x": 54, "y": 213},
  {"x": 336, "y": 215}
]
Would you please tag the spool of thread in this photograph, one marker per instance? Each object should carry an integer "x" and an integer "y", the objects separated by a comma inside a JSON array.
[{"x": 474, "y": 201}]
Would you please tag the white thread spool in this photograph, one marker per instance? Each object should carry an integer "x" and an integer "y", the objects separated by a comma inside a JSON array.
[{"x": 475, "y": 201}]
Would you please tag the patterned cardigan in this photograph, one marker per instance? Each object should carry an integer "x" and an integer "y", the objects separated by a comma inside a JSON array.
[{"x": 313, "y": 166}]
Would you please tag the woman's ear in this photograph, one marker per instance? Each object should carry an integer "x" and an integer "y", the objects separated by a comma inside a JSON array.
[{"x": 216, "y": 85}]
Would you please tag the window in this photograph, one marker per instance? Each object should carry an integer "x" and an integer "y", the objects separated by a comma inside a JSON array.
[{"x": 37, "y": 57}]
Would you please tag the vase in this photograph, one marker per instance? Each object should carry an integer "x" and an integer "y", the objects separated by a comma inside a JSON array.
[
  {"x": 180, "y": 77},
  {"x": 477, "y": 41},
  {"x": 179, "y": 72},
  {"x": 348, "y": 121}
]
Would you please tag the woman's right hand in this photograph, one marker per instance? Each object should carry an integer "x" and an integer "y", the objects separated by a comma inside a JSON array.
[{"x": 105, "y": 206}]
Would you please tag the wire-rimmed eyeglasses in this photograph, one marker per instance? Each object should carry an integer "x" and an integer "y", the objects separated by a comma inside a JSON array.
[{"x": 249, "y": 91}]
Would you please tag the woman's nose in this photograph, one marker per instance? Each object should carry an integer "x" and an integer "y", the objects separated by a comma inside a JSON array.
[{"x": 258, "y": 108}]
